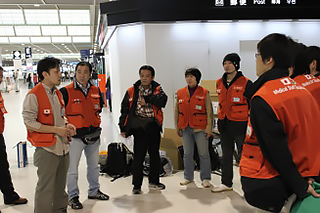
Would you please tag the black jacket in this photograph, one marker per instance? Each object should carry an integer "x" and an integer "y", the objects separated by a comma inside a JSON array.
[
  {"x": 271, "y": 135},
  {"x": 158, "y": 100}
]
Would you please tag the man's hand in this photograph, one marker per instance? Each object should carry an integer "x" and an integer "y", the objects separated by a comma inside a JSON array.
[
  {"x": 142, "y": 102},
  {"x": 62, "y": 131},
  {"x": 72, "y": 130},
  {"x": 179, "y": 132},
  {"x": 312, "y": 191},
  {"x": 123, "y": 134}
]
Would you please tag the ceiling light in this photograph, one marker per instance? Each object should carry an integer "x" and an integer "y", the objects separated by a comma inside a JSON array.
[
  {"x": 22, "y": 44},
  {"x": 36, "y": 5},
  {"x": 7, "y": 50},
  {"x": 62, "y": 44}
]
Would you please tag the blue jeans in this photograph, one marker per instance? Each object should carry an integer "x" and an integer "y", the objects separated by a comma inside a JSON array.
[
  {"x": 92, "y": 155},
  {"x": 190, "y": 137}
]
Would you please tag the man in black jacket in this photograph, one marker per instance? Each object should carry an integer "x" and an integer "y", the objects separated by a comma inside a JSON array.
[{"x": 142, "y": 117}]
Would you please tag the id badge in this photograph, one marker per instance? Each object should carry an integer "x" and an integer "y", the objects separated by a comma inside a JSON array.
[
  {"x": 236, "y": 99},
  {"x": 63, "y": 111},
  {"x": 198, "y": 107}
]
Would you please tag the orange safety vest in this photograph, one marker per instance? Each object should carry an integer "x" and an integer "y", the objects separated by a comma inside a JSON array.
[
  {"x": 192, "y": 111},
  {"x": 82, "y": 111},
  {"x": 158, "y": 114},
  {"x": 311, "y": 83},
  {"x": 45, "y": 117},
  {"x": 288, "y": 100},
  {"x": 2, "y": 112},
  {"x": 232, "y": 103}
]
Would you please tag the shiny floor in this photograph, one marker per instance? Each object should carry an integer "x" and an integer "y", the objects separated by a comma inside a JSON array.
[{"x": 174, "y": 198}]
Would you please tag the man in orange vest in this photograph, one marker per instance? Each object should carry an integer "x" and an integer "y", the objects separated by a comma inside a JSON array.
[
  {"x": 232, "y": 116},
  {"x": 306, "y": 63},
  {"x": 84, "y": 103},
  {"x": 313, "y": 58},
  {"x": 142, "y": 117},
  {"x": 6, "y": 185},
  {"x": 43, "y": 115},
  {"x": 281, "y": 152}
]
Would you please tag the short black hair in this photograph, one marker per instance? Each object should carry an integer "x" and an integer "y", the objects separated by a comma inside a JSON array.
[
  {"x": 313, "y": 53},
  {"x": 304, "y": 59},
  {"x": 277, "y": 46},
  {"x": 195, "y": 72},
  {"x": 1, "y": 68},
  {"x": 147, "y": 67},
  {"x": 84, "y": 63},
  {"x": 46, "y": 64}
]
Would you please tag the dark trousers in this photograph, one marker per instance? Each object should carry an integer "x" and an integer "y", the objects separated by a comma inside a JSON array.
[
  {"x": 147, "y": 139},
  {"x": 231, "y": 131},
  {"x": 267, "y": 194},
  {"x": 6, "y": 185}
]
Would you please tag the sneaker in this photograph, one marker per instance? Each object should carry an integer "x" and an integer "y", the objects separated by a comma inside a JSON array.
[
  {"x": 75, "y": 203},
  {"x": 185, "y": 182},
  {"x": 221, "y": 188},
  {"x": 136, "y": 191},
  {"x": 99, "y": 196},
  {"x": 206, "y": 184},
  {"x": 158, "y": 186}
]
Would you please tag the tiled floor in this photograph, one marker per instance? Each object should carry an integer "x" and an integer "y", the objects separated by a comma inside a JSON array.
[{"x": 175, "y": 198}]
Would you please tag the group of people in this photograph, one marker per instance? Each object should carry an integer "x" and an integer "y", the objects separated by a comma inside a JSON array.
[{"x": 273, "y": 122}]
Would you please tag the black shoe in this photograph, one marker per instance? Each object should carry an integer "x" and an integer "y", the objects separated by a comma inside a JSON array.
[
  {"x": 99, "y": 196},
  {"x": 136, "y": 191},
  {"x": 158, "y": 186},
  {"x": 75, "y": 203}
]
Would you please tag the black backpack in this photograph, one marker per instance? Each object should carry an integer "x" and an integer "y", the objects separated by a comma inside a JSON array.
[{"x": 118, "y": 162}]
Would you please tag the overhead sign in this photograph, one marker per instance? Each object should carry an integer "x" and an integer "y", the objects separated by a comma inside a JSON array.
[
  {"x": 240, "y": 3},
  {"x": 85, "y": 53},
  {"x": 16, "y": 55},
  {"x": 28, "y": 53}
]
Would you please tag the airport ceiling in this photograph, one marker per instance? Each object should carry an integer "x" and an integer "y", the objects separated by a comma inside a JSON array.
[{"x": 49, "y": 27}]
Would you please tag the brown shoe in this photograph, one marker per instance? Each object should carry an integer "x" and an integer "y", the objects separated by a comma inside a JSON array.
[{"x": 20, "y": 200}]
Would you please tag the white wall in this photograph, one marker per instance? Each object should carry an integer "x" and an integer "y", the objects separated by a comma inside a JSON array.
[
  {"x": 126, "y": 55},
  {"x": 158, "y": 46}
]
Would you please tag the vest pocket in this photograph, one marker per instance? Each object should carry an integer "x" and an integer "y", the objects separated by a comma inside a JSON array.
[
  {"x": 251, "y": 160},
  {"x": 239, "y": 112},
  {"x": 76, "y": 108},
  {"x": 200, "y": 119},
  {"x": 181, "y": 121},
  {"x": 76, "y": 120}
]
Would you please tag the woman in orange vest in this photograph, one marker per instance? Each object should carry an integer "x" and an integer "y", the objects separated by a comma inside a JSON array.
[
  {"x": 142, "y": 117},
  {"x": 194, "y": 119},
  {"x": 232, "y": 116},
  {"x": 281, "y": 149}
]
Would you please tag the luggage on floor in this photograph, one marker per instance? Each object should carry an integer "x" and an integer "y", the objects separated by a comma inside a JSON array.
[
  {"x": 214, "y": 156},
  {"x": 166, "y": 166},
  {"x": 119, "y": 161}
]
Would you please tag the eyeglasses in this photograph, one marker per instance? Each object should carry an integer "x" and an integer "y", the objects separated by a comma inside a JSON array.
[{"x": 256, "y": 55}]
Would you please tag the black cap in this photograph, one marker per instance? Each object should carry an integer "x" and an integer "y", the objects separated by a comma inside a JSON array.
[
  {"x": 234, "y": 58},
  {"x": 195, "y": 72}
]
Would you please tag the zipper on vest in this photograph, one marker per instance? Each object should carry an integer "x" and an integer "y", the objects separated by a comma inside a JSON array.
[{"x": 251, "y": 144}]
